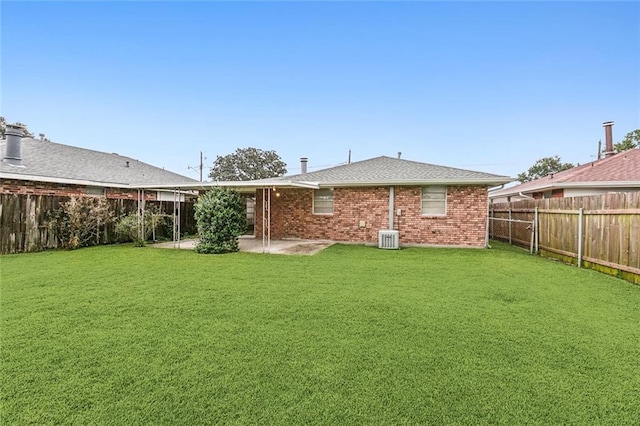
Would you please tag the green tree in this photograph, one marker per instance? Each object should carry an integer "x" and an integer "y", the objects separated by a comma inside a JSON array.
[
  {"x": 631, "y": 140},
  {"x": 248, "y": 164},
  {"x": 3, "y": 128},
  {"x": 543, "y": 167},
  {"x": 221, "y": 219}
]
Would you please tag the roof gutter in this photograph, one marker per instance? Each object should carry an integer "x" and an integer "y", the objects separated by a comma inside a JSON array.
[
  {"x": 483, "y": 181},
  {"x": 598, "y": 184},
  {"x": 238, "y": 185},
  {"x": 35, "y": 178}
]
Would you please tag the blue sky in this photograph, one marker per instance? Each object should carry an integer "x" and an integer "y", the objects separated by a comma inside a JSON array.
[{"x": 489, "y": 86}]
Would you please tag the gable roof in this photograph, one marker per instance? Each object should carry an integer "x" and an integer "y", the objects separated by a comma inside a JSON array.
[
  {"x": 47, "y": 161},
  {"x": 379, "y": 171},
  {"x": 387, "y": 171},
  {"x": 618, "y": 171}
]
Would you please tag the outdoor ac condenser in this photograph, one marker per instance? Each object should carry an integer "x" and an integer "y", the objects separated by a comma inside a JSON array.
[{"x": 388, "y": 239}]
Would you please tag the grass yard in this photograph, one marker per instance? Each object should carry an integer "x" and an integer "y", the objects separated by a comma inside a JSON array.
[{"x": 352, "y": 335}]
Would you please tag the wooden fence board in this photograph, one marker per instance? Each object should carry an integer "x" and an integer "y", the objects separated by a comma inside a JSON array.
[
  {"x": 611, "y": 227},
  {"x": 24, "y": 220}
]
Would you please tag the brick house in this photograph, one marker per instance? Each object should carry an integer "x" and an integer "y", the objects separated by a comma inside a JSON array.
[
  {"x": 37, "y": 176},
  {"x": 41, "y": 167},
  {"x": 427, "y": 204},
  {"x": 614, "y": 173}
]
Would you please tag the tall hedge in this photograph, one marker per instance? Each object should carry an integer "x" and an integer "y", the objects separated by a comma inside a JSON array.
[{"x": 221, "y": 218}]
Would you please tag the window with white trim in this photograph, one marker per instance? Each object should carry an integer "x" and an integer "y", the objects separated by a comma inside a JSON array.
[
  {"x": 323, "y": 201},
  {"x": 434, "y": 201}
]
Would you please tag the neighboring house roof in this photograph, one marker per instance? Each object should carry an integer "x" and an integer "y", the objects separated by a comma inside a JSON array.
[
  {"x": 618, "y": 171},
  {"x": 47, "y": 161},
  {"x": 379, "y": 171}
]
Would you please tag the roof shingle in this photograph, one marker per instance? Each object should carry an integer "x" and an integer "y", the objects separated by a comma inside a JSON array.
[
  {"x": 619, "y": 168},
  {"x": 387, "y": 170},
  {"x": 47, "y": 159}
]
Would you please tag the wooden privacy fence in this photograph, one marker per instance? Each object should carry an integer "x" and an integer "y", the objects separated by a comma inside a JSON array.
[
  {"x": 601, "y": 231},
  {"x": 24, "y": 220}
]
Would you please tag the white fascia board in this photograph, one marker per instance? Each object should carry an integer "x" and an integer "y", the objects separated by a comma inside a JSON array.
[
  {"x": 421, "y": 182},
  {"x": 248, "y": 185},
  {"x": 310, "y": 185},
  {"x": 614, "y": 184},
  {"x": 557, "y": 185},
  {"x": 47, "y": 179}
]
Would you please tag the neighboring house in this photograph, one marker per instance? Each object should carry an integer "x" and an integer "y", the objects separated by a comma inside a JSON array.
[
  {"x": 426, "y": 203},
  {"x": 615, "y": 173},
  {"x": 41, "y": 167}
]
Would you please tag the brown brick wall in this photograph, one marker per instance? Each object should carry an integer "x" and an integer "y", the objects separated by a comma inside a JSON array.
[
  {"x": 23, "y": 187},
  {"x": 292, "y": 216},
  {"x": 465, "y": 223}
]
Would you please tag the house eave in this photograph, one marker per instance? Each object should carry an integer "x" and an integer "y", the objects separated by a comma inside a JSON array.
[
  {"x": 50, "y": 179},
  {"x": 417, "y": 182},
  {"x": 240, "y": 186},
  {"x": 81, "y": 182},
  {"x": 514, "y": 191}
]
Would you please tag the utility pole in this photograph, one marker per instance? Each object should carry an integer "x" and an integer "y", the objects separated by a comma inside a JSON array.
[{"x": 200, "y": 167}]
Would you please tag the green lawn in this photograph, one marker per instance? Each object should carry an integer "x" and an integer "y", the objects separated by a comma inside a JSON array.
[{"x": 352, "y": 335}]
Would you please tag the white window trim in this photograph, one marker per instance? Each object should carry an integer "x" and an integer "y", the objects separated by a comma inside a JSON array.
[
  {"x": 313, "y": 203},
  {"x": 446, "y": 193}
]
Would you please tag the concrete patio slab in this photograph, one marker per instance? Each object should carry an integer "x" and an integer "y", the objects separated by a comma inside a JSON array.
[{"x": 251, "y": 244}]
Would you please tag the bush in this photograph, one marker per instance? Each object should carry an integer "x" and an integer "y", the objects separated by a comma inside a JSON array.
[
  {"x": 221, "y": 219},
  {"x": 80, "y": 221},
  {"x": 127, "y": 226}
]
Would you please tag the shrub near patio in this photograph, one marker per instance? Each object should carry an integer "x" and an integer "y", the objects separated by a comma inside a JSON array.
[
  {"x": 220, "y": 217},
  {"x": 352, "y": 335}
]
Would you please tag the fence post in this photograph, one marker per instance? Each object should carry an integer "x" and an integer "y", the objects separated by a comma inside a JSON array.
[
  {"x": 580, "y": 213},
  {"x": 537, "y": 231},
  {"x": 533, "y": 236},
  {"x": 509, "y": 224}
]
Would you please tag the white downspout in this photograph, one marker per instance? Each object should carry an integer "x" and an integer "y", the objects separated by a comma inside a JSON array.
[{"x": 391, "y": 200}]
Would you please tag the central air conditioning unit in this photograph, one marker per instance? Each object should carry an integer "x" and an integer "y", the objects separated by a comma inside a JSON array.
[{"x": 388, "y": 239}]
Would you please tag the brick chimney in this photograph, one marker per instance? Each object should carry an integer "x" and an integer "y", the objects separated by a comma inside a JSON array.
[
  {"x": 13, "y": 150},
  {"x": 303, "y": 165},
  {"x": 608, "y": 139}
]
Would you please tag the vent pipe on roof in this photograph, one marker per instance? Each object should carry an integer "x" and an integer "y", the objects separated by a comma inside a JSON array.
[
  {"x": 608, "y": 138},
  {"x": 399, "y": 155},
  {"x": 303, "y": 165},
  {"x": 13, "y": 152}
]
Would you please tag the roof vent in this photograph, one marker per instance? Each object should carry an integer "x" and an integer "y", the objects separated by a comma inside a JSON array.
[
  {"x": 13, "y": 152},
  {"x": 303, "y": 165}
]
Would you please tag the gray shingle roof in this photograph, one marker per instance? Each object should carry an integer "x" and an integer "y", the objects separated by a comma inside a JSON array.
[
  {"x": 387, "y": 170},
  {"x": 44, "y": 159}
]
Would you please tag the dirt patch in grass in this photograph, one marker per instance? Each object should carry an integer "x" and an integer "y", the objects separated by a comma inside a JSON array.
[{"x": 305, "y": 248}]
